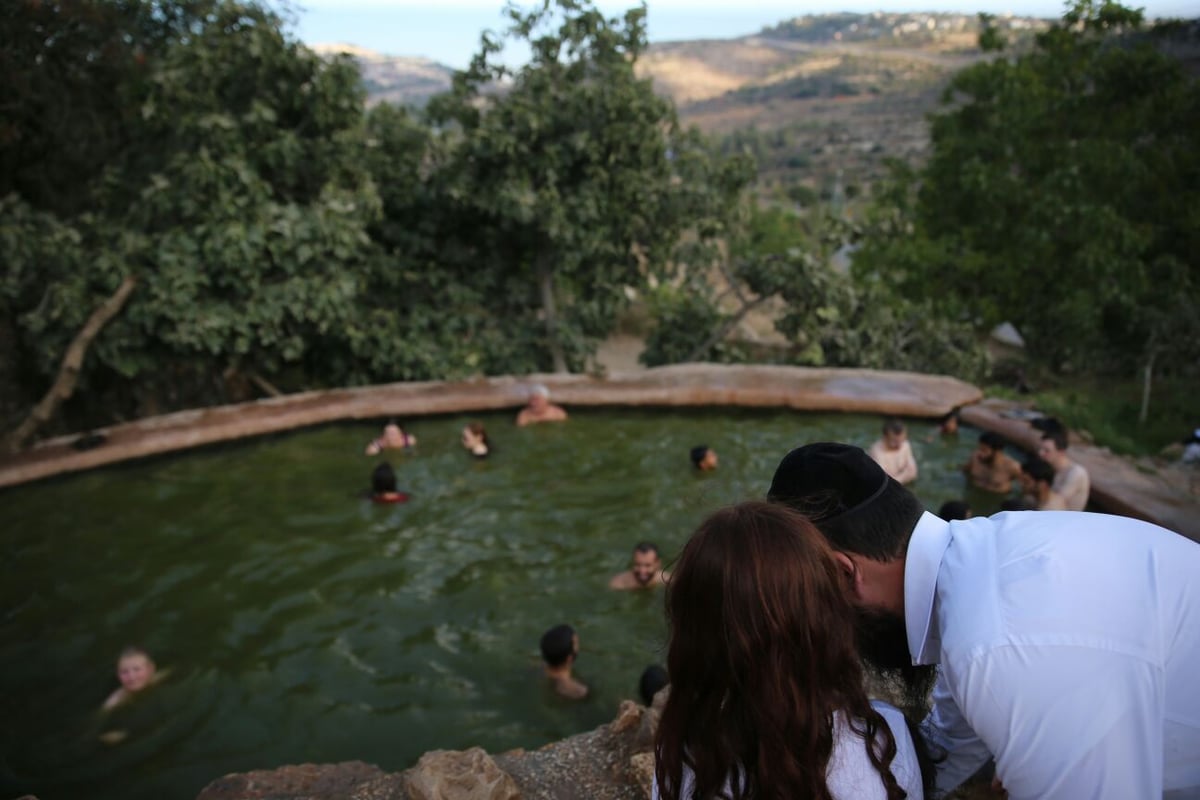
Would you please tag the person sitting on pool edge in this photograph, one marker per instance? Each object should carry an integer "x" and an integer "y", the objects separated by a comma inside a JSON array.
[
  {"x": 383, "y": 485},
  {"x": 540, "y": 409},
  {"x": 394, "y": 438},
  {"x": 704, "y": 458},
  {"x": 136, "y": 671},
  {"x": 475, "y": 440},
  {"x": 560, "y": 648},
  {"x": 645, "y": 569}
]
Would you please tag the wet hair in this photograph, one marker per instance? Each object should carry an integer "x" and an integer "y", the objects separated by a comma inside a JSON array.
[
  {"x": 1058, "y": 436},
  {"x": 762, "y": 655},
  {"x": 558, "y": 644},
  {"x": 1039, "y": 470},
  {"x": 953, "y": 414},
  {"x": 647, "y": 547},
  {"x": 992, "y": 440},
  {"x": 654, "y": 678},
  {"x": 478, "y": 429},
  {"x": 698, "y": 453},
  {"x": 893, "y": 425},
  {"x": 132, "y": 650},
  {"x": 383, "y": 479},
  {"x": 954, "y": 509}
]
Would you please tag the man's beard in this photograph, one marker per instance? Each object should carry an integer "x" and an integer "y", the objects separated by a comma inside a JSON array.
[{"x": 883, "y": 644}]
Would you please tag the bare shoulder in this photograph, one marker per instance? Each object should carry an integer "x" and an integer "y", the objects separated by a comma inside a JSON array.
[{"x": 571, "y": 689}]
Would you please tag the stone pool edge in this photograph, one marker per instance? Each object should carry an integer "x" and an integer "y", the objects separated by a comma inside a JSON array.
[{"x": 682, "y": 385}]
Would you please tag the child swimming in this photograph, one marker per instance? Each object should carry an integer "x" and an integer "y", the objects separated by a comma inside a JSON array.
[{"x": 136, "y": 671}]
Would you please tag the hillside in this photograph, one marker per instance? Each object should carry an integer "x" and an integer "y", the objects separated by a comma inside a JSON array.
[
  {"x": 820, "y": 101},
  {"x": 823, "y": 101},
  {"x": 400, "y": 80}
]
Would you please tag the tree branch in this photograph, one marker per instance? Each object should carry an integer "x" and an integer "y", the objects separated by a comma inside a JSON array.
[{"x": 72, "y": 363}]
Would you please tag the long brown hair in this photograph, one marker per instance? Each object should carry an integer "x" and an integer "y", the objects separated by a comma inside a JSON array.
[{"x": 761, "y": 656}]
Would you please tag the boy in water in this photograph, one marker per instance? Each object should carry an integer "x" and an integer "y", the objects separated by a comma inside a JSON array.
[{"x": 135, "y": 671}]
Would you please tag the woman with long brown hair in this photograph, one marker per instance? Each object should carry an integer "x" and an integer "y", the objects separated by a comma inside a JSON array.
[{"x": 767, "y": 697}]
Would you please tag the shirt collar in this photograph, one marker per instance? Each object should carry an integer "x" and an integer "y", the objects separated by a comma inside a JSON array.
[{"x": 928, "y": 544}]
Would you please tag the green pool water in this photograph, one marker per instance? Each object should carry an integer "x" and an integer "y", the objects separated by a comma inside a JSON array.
[{"x": 301, "y": 623}]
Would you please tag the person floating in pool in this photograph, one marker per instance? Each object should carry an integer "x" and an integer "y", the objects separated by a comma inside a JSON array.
[
  {"x": 394, "y": 438},
  {"x": 539, "y": 408},
  {"x": 560, "y": 648},
  {"x": 383, "y": 485},
  {"x": 645, "y": 569},
  {"x": 704, "y": 458},
  {"x": 947, "y": 427},
  {"x": 136, "y": 671},
  {"x": 475, "y": 440}
]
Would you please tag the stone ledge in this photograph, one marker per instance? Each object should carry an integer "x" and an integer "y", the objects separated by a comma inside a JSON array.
[{"x": 682, "y": 385}]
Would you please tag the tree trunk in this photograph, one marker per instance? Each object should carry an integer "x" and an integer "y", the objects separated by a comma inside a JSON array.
[
  {"x": 546, "y": 281},
  {"x": 68, "y": 373}
]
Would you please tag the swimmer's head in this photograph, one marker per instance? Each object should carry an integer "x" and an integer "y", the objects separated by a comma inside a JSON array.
[
  {"x": 135, "y": 669},
  {"x": 949, "y": 423},
  {"x": 653, "y": 679},
  {"x": 894, "y": 434},
  {"x": 559, "y": 645},
  {"x": 703, "y": 457},
  {"x": 383, "y": 479},
  {"x": 539, "y": 397},
  {"x": 394, "y": 435},
  {"x": 646, "y": 562}
]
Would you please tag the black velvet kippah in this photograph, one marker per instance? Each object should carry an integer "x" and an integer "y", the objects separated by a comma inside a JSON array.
[{"x": 828, "y": 467}]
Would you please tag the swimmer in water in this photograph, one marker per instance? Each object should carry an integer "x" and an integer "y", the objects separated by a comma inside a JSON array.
[
  {"x": 136, "y": 671},
  {"x": 539, "y": 408},
  {"x": 560, "y": 648},
  {"x": 383, "y": 485},
  {"x": 704, "y": 458},
  {"x": 475, "y": 440},
  {"x": 394, "y": 438},
  {"x": 645, "y": 569}
]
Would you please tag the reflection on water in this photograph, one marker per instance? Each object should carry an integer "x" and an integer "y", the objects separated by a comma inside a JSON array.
[{"x": 304, "y": 624}]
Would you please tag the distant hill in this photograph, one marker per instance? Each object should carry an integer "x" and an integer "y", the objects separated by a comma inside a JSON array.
[
  {"x": 822, "y": 101},
  {"x": 401, "y": 80}
]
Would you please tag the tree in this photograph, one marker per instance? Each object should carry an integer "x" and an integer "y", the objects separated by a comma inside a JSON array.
[
  {"x": 1061, "y": 194},
  {"x": 563, "y": 168}
]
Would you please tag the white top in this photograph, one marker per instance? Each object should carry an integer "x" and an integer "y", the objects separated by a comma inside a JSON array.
[
  {"x": 849, "y": 773},
  {"x": 1073, "y": 484},
  {"x": 899, "y": 463},
  {"x": 1069, "y": 646}
]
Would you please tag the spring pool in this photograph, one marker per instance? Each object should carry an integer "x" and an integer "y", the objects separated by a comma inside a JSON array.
[{"x": 301, "y": 623}]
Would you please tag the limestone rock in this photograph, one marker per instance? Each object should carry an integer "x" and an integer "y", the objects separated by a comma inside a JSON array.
[
  {"x": 642, "y": 767},
  {"x": 309, "y": 781},
  {"x": 459, "y": 775},
  {"x": 629, "y": 717}
]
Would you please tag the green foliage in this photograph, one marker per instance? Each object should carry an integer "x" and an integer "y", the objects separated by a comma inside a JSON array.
[{"x": 1061, "y": 195}]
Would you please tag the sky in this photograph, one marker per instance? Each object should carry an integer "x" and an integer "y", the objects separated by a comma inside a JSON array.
[{"x": 448, "y": 31}]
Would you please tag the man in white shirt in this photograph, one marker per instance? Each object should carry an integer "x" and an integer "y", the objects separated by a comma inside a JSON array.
[
  {"x": 1070, "y": 479},
  {"x": 1068, "y": 643}
]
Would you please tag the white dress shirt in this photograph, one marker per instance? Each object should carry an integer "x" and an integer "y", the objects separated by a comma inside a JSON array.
[
  {"x": 1069, "y": 646},
  {"x": 850, "y": 775}
]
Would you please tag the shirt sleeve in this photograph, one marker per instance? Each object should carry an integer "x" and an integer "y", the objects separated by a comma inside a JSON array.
[
  {"x": 1066, "y": 721},
  {"x": 951, "y": 740}
]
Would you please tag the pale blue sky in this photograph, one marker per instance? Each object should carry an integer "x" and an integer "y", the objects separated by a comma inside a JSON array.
[{"x": 449, "y": 31}]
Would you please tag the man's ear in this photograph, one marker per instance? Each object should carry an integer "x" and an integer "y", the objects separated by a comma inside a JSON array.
[{"x": 853, "y": 575}]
